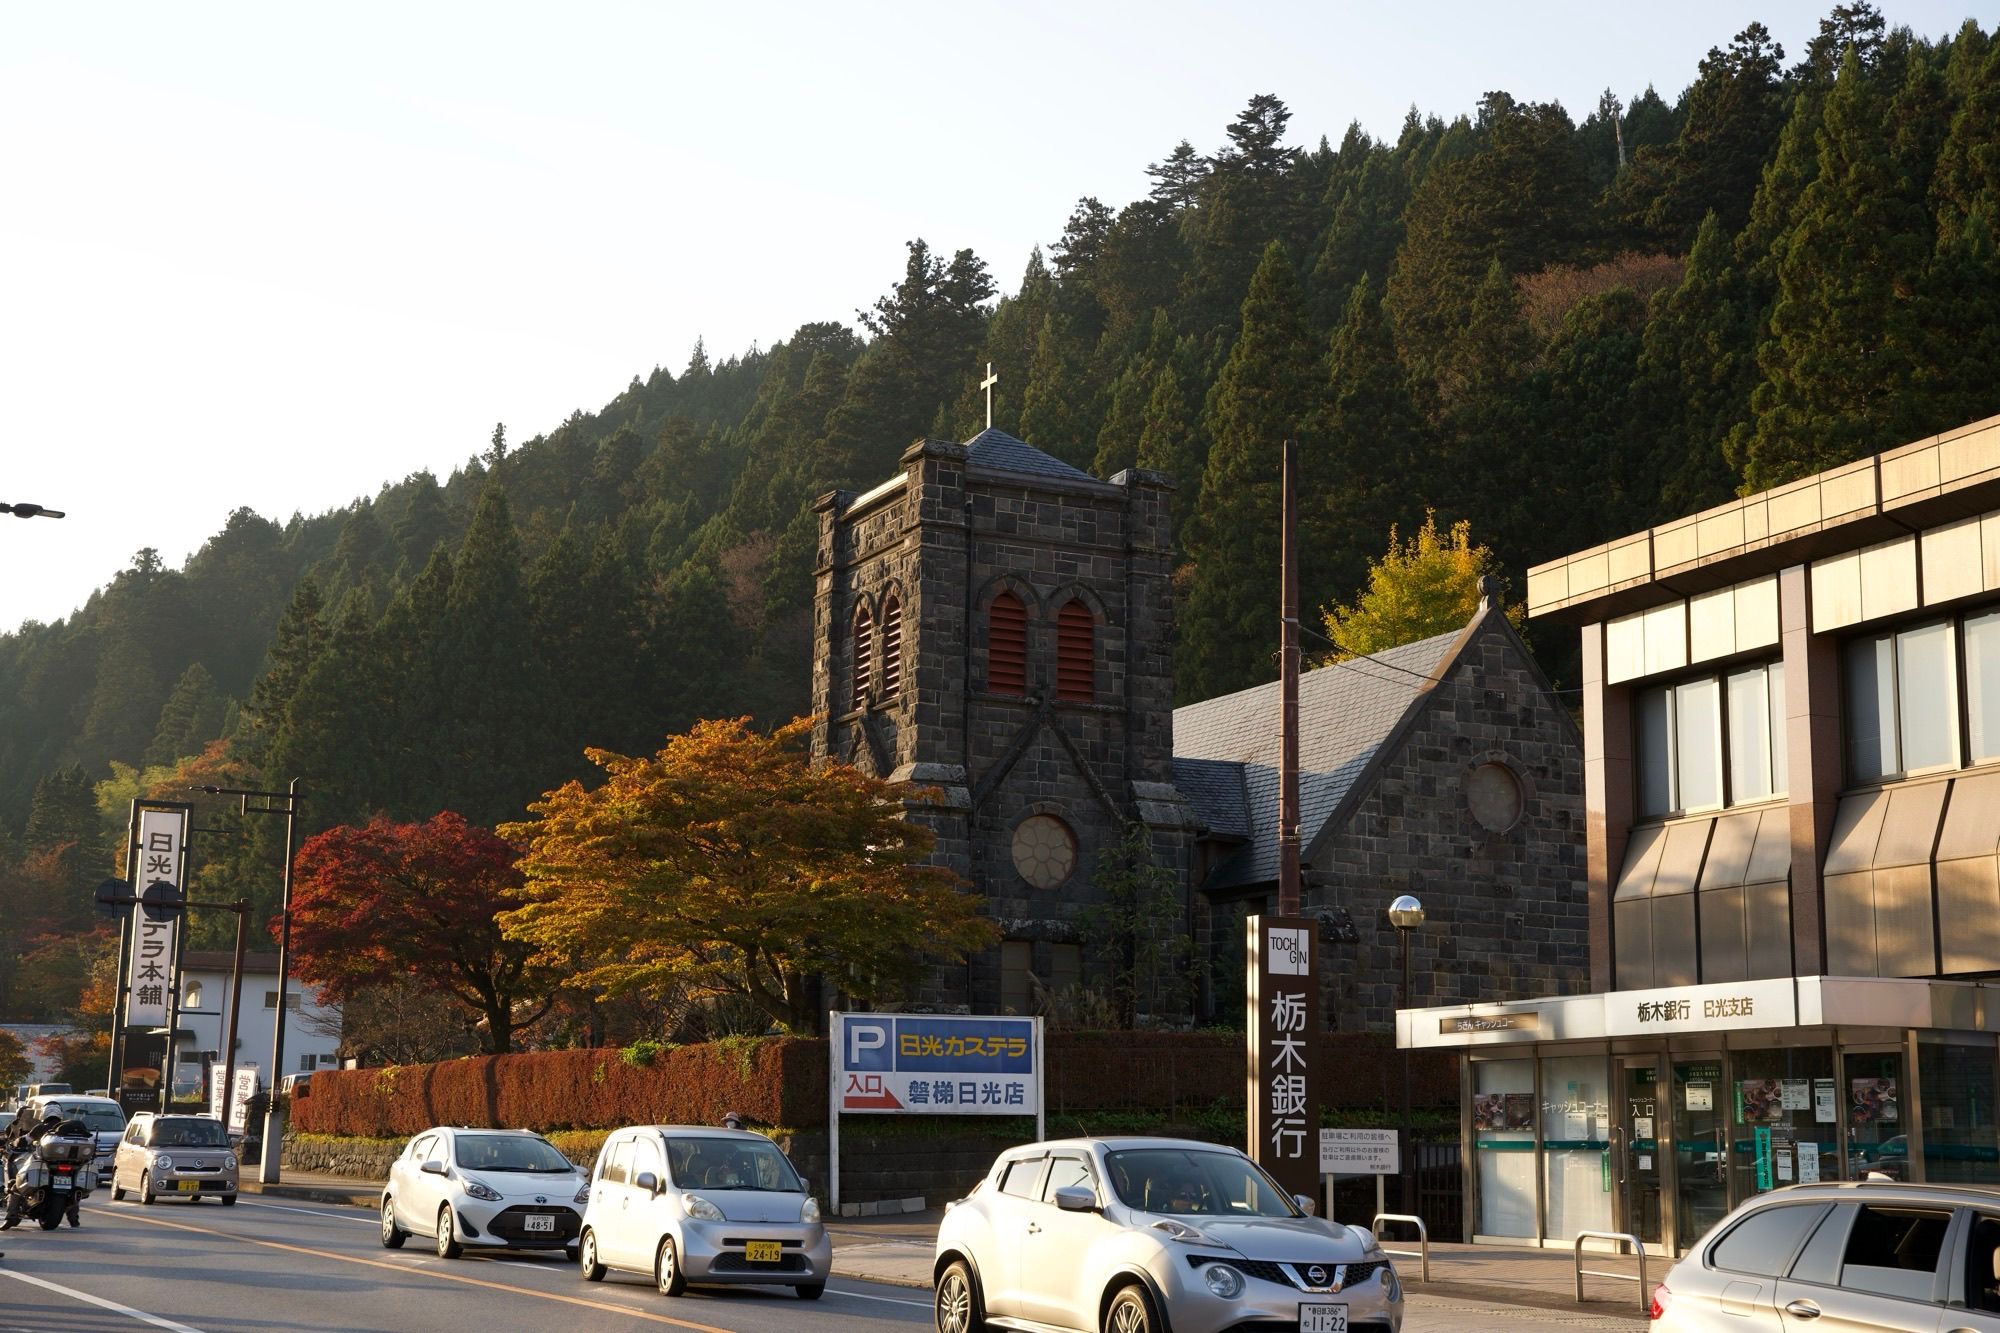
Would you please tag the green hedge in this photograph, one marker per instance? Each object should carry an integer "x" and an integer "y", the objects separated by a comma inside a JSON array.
[{"x": 772, "y": 1080}]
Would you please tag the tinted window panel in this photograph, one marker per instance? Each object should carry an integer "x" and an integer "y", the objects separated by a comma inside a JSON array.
[
  {"x": 1982, "y": 685},
  {"x": 1656, "y": 754},
  {"x": 1780, "y": 769},
  {"x": 1894, "y": 1252},
  {"x": 1765, "y": 1241},
  {"x": 1698, "y": 758},
  {"x": 1023, "y": 1179},
  {"x": 1066, "y": 1173},
  {"x": 1871, "y": 709},
  {"x": 1927, "y": 691},
  {"x": 1820, "y": 1260},
  {"x": 1749, "y": 736}
]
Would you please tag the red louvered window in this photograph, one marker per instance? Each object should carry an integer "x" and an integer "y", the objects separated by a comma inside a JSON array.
[
  {"x": 864, "y": 652},
  {"x": 1076, "y": 654},
  {"x": 892, "y": 648},
  {"x": 1007, "y": 646}
]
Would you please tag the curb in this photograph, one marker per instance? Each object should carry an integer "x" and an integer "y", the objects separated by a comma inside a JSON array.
[
  {"x": 308, "y": 1194},
  {"x": 1497, "y": 1294}
]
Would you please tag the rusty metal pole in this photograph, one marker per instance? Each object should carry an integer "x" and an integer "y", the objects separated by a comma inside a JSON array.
[{"x": 1288, "y": 672}]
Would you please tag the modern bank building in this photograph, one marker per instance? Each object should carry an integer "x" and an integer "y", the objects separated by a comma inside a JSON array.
[{"x": 1792, "y": 740}]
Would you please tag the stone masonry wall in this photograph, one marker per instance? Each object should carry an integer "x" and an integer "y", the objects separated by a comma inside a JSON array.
[{"x": 1505, "y": 912}]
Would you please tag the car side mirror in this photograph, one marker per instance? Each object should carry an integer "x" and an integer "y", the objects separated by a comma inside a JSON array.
[
  {"x": 1076, "y": 1199},
  {"x": 432, "y": 1168},
  {"x": 1306, "y": 1204},
  {"x": 648, "y": 1182}
]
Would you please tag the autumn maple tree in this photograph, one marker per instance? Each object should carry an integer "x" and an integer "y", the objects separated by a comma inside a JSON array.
[
  {"x": 418, "y": 903},
  {"x": 728, "y": 864}
]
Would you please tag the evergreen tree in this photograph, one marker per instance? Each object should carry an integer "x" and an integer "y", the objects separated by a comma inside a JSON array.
[
  {"x": 1267, "y": 392},
  {"x": 300, "y": 635},
  {"x": 1967, "y": 182},
  {"x": 1697, "y": 368},
  {"x": 191, "y": 717},
  {"x": 1177, "y": 179},
  {"x": 1169, "y": 443},
  {"x": 1840, "y": 361},
  {"x": 1055, "y": 406},
  {"x": 424, "y": 522}
]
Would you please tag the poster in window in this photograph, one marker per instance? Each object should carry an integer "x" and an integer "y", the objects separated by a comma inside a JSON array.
[
  {"x": 1701, "y": 1096},
  {"x": 1874, "y": 1101},
  {"x": 1760, "y": 1101},
  {"x": 1798, "y": 1094},
  {"x": 1503, "y": 1111}
]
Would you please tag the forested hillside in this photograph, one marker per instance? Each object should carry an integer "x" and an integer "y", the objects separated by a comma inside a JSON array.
[{"x": 1561, "y": 329}]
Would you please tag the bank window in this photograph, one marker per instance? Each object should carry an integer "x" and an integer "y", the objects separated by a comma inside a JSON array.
[
  {"x": 1902, "y": 700},
  {"x": 1712, "y": 741}
]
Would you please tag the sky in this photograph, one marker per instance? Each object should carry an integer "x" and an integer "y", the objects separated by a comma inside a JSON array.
[{"x": 280, "y": 255}]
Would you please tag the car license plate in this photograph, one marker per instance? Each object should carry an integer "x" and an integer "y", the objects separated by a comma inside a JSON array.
[
  {"x": 1322, "y": 1319},
  {"x": 62, "y": 1182},
  {"x": 763, "y": 1251},
  {"x": 539, "y": 1222},
  {"x": 187, "y": 1186}
]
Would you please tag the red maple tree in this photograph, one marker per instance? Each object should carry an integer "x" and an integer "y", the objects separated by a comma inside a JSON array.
[{"x": 390, "y": 901}]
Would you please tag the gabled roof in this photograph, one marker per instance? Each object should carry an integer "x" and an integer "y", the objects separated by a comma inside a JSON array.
[
  {"x": 1002, "y": 452},
  {"x": 1347, "y": 711}
]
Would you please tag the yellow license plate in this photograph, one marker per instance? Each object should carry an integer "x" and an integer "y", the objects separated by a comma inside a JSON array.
[
  {"x": 763, "y": 1251},
  {"x": 187, "y": 1186}
]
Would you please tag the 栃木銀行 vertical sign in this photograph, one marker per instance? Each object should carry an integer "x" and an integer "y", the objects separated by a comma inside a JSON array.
[
  {"x": 1283, "y": 1018},
  {"x": 156, "y": 860}
]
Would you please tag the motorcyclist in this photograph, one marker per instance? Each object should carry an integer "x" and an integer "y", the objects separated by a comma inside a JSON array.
[{"x": 52, "y": 1123}]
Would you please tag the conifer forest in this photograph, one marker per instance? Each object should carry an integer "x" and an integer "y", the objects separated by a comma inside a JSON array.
[{"x": 1561, "y": 324}]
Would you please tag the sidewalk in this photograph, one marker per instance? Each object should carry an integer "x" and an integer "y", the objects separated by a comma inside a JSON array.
[{"x": 896, "y": 1250}]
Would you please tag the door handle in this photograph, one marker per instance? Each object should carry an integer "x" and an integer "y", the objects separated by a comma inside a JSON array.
[
  {"x": 1802, "y": 1310},
  {"x": 1034, "y": 1227}
]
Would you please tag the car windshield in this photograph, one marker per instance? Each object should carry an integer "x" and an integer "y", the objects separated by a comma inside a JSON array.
[
  {"x": 731, "y": 1164},
  {"x": 103, "y": 1119},
  {"x": 1194, "y": 1182},
  {"x": 508, "y": 1152},
  {"x": 189, "y": 1133}
]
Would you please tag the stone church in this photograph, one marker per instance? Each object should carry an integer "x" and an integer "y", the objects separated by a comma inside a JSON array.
[{"x": 996, "y": 628}]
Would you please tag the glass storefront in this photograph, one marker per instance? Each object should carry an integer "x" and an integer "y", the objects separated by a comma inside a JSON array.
[
  {"x": 1576, "y": 1144},
  {"x": 1878, "y": 1137},
  {"x": 1784, "y": 1127},
  {"x": 1961, "y": 1144},
  {"x": 1701, "y": 1148},
  {"x": 1503, "y": 1141}
]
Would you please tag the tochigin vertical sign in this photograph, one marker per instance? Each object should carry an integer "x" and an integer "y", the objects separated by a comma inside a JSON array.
[
  {"x": 158, "y": 859},
  {"x": 1283, "y": 1083}
]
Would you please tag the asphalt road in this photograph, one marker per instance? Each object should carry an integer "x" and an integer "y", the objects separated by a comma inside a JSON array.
[
  {"x": 185, "y": 1267},
  {"x": 203, "y": 1268}
]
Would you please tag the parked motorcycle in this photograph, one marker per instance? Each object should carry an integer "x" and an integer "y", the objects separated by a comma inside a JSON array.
[{"x": 52, "y": 1178}]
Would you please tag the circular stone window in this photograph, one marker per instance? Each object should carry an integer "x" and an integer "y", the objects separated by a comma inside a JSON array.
[
  {"x": 1494, "y": 794},
  {"x": 1044, "y": 851}
]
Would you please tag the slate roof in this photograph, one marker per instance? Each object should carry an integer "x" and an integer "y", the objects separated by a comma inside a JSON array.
[
  {"x": 998, "y": 450},
  {"x": 1346, "y": 712}
]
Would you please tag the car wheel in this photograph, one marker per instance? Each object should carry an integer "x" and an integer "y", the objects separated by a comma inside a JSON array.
[
  {"x": 1131, "y": 1311},
  {"x": 447, "y": 1235},
  {"x": 146, "y": 1187},
  {"x": 117, "y": 1190},
  {"x": 810, "y": 1291},
  {"x": 667, "y": 1275},
  {"x": 393, "y": 1236},
  {"x": 956, "y": 1308},
  {"x": 586, "y": 1258},
  {"x": 229, "y": 1201}
]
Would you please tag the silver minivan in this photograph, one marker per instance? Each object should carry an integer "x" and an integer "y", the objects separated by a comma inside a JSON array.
[
  {"x": 1861, "y": 1255},
  {"x": 694, "y": 1205}
]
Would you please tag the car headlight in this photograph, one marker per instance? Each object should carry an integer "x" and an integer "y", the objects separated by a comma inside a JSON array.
[
  {"x": 700, "y": 1209},
  {"x": 481, "y": 1190},
  {"x": 809, "y": 1211},
  {"x": 1223, "y": 1280},
  {"x": 163, "y": 1163},
  {"x": 1392, "y": 1290},
  {"x": 229, "y": 1162},
  {"x": 582, "y": 1194},
  {"x": 1181, "y": 1231}
]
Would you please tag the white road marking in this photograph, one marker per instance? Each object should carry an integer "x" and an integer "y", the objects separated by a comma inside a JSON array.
[
  {"x": 886, "y": 1300},
  {"x": 101, "y": 1303},
  {"x": 365, "y": 1219}
]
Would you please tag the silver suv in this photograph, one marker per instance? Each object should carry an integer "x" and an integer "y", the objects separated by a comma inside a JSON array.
[{"x": 1869, "y": 1254}]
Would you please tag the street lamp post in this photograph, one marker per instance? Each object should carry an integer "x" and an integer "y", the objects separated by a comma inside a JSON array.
[
  {"x": 274, "y": 1118},
  {"x": 1406, "y": 914},
  {"x": 21, "y": 509}
]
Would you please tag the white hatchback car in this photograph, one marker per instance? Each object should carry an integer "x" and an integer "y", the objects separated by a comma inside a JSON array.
[
  {"x": 1137, "y": 1235},
  {"x": 501, "y": 1189},
  {"x": 690, "y": 1204}
]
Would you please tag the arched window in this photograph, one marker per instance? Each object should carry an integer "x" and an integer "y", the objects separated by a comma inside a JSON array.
[
  {"x": 1007, "y": 645},
  {"x": 864, "y": 652},
  {"x": 1076, "y": 654},
  {"x": 892, "y": 647}
]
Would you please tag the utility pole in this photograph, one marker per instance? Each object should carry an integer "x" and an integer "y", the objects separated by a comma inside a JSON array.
[{"x": 1288, "y": 676}]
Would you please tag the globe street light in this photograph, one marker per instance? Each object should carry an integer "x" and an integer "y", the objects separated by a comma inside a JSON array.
[{"x": 1406, "y": 914}]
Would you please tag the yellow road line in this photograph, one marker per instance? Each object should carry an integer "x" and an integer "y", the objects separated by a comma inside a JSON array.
[{"x": 431, "y": 1272}]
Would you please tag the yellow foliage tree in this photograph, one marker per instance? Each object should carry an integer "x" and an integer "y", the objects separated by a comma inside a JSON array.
[
  {"x": 727, "y": 864},
  {"x": 1425, "y": 586}
]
